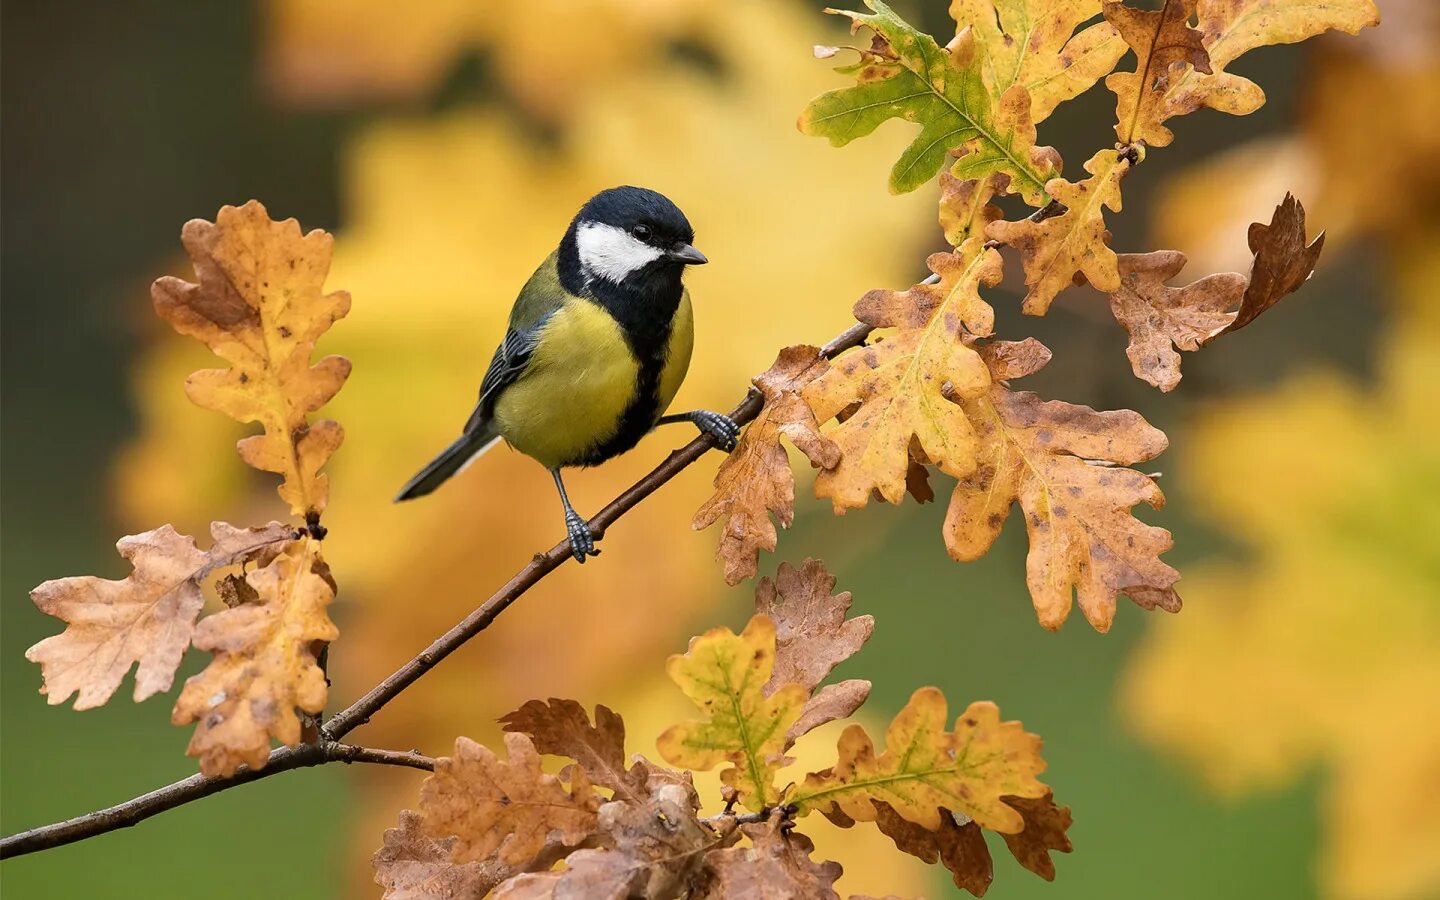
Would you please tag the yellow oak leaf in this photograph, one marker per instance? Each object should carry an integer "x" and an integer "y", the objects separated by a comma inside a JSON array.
[
  {"x": 926, "y": 768},
  {"x": 725, "y": 674},
  {"x": 1230, "y": 28},
  {"x": 259, "y": 304},
  {"x": 1033, "y": 43},
  {"x": 147, "y": 617},
  {"x": 265, "y": 667},
  {"x": 505, "y": 809},
  {"x": 755, "y": 480},
  {"x": 1052, "y": 250},
  {"x": 1166, "y": 49},
  {"x": 1066, "y": 467},
  {"x": 904, "y": 382},
  {"x": 1319, "y": 656},
  {"x": 965, "y": 208}
]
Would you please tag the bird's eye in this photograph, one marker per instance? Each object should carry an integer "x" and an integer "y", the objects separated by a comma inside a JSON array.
[{"x": 641, "y": 232}]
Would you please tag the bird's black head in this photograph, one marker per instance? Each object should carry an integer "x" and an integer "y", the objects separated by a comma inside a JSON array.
[{"x": 628, "y": 234}]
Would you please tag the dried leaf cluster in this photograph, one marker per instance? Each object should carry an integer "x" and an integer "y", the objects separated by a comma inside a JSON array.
[
  {"x": 258, "y": 303},
  {"x": 930, "y": 387},
  {"x": 630, "y": 827}
]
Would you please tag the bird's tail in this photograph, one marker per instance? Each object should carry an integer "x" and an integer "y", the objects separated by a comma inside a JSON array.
[{"x": 451, "y": 460}]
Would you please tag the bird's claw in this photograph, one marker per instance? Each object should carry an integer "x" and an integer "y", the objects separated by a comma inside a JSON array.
[
  {"x": 723, "y": 429},
  {"x": 582, "y": 541}
]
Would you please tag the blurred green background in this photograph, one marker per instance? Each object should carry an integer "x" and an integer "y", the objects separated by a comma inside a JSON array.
[{"x": 123, "y": 120}]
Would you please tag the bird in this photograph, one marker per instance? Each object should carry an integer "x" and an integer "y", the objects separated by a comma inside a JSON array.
[{"x": 598, "y": 343}]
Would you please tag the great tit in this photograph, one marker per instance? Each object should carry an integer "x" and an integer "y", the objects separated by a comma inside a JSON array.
[{"x": 598, "y": 343}]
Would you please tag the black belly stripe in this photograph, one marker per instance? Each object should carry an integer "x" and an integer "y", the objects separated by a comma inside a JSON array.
[{"x": 644, "y": 306}]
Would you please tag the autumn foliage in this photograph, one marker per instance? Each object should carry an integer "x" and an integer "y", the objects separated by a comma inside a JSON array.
[
  {"x": 259, "y": 304},
  {"x": 920, "y": 385},
  {"x": 930, "y": 387},
  {"x": 627, "y": 826}
]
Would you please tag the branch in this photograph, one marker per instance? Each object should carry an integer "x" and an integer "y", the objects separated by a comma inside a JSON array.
[
  {"x": 328, "y": 749},
  {"x": 350, "y": 753},
  {"x": 196, "y": 787}
]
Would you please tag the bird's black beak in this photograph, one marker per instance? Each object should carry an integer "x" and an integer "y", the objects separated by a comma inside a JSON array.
[{"x": 684, "y": 253}]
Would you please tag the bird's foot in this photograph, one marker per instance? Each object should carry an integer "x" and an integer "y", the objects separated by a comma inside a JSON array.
[
  {"x": 582, "y": 540},
  {"x": 723, "y": 429}
]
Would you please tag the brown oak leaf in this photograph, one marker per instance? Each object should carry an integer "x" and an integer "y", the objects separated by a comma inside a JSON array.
[
  {"x": 831, "y": 702},
  {"x": 1282, "y": 263},
  {"x": 265, "y": 668},
  {"x": 654, "y": 849},
  {"x": 146, "y": 618},
  {"x": 1066, "y": 467},
  {"x": 755, "y": 480},
  {"x": 776, "y": 866},
  {"x": 812, "y": 637},
  {"x": 812, "y": 634},
  {"x": 411, "y": 865},
  {"x": 562, "y": 728},
  {"x": 1052, "y": 250},
  {"x": 958, "y": 844},
  {"x": 1166, "y": 50},
  {"x": 507, "y": 809},
  {"x": 1045, "y": 830},
  {"x": 906, "y": 381},
  {"x": 1162, "y": 320},
  {"x": 259, "y": 304},
  {"x": 917, "y": 477}
]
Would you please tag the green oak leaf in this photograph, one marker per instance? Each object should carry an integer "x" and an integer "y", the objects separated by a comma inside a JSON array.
[{"x": 905, "y": 74}]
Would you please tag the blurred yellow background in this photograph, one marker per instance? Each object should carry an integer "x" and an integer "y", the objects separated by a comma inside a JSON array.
[{"x": 1276, "y": 739}]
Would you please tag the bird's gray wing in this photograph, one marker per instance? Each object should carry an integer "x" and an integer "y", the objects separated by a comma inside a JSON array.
[
  {"x": 541, "y": 296},
  {"x": 511, "y": 359}
]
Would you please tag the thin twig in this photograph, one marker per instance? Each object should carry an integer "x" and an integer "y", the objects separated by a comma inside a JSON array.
[
  {"x": 328, "y": 749},
  {"x": 410, "y": 759},
  {"x": 197, "y": 787},
  {"x": 721, "y": 820}
]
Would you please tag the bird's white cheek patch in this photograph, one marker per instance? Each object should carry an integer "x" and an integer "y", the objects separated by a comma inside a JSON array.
[{"x": 612, "y": 253}]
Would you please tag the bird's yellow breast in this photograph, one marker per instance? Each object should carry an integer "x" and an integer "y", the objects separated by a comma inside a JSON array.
[
  {"x": 677, "y": 353},
  {"x": 580, "y": 382}
]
